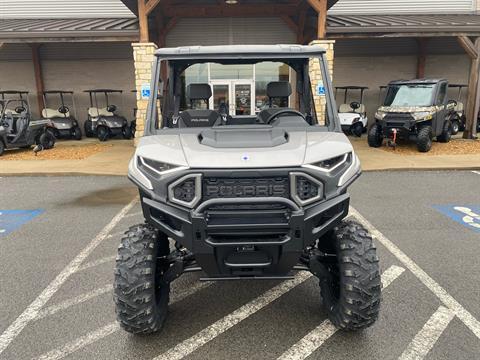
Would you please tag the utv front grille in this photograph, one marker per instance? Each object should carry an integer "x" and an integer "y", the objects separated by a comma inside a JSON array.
[{"x": 228, "y": 188}]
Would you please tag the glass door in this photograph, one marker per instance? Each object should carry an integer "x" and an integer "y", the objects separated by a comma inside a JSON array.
[{"x": 234, "y": 95}]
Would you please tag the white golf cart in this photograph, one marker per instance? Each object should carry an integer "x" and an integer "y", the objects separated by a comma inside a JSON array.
[
  {"x": 353, "y": 117},
  {"x": 458, "y": 124}
]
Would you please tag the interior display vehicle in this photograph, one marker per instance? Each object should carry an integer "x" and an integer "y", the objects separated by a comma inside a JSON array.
[
  {"x": 256, "y": 196},
  {"x": 64, "y": 124},
  {"x": 353, "y": 116},
  {"x": 414, "y": 110},
  {"x": 17, "y": 128},
  {"x": 458, "y": 123},
  {"x": 105, "y": 122}
]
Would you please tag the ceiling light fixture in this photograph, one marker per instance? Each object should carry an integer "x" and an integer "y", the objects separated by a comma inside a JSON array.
[{"x": 231, "y": 2}]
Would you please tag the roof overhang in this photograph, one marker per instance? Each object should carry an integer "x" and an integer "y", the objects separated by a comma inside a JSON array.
[
  {"x": 371, "y": 26},
  {"x": 68, "y": 30}
]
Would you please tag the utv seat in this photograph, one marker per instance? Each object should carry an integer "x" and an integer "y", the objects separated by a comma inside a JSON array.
[
  {"x": 10, "y": 123},
  {"x": 199, "y": 118},
  {"x": 459, "y": 107},
  {"x": 275, "y": 90}
]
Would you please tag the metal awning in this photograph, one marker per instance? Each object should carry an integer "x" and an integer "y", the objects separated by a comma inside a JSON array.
[
  {"x": 48, "y": 30},
  {"x": 402, "y": 25}
]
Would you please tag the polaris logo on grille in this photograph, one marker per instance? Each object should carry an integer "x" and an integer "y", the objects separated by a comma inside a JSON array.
[{"x": 225, "y": 191}]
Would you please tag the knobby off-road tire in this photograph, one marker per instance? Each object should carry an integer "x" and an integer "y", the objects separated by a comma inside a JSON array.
[
  {"x": 455, "y": 126},
  {"x": 375, "y": 136},
  {"x": 47, "y": 140},
  {"x": 140, "y": 294},
  {"x": 424, "y": 139},
  {"x": 2, "y": 147},
  {"x": 446, "y": 134},
  {"x": 352, "y": 295}
]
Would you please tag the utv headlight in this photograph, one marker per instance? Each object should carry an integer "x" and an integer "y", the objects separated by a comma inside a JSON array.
[
  {"x": 330, "y": 164},
  {"x": 156, "y": 168},
  {"x": 423, "y": 115},
  {"x": 357, "y": 119},
  {"x": 353, "y": 170},
  {"x": 379, "y": 115},
  {"x": 75, "y": 123}
]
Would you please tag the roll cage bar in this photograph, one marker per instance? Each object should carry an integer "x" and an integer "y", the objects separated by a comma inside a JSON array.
[
  {"x": 348, "y": 88},
  {"x": 62, "y": 94}
]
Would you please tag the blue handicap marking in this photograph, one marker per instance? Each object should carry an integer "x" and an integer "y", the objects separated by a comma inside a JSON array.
[
  {"x": 468, "y": 216},
  {"x": 145, "y": 91},
  {"x": 321, "y": 90},
  {"x": 10, "y": 220}
]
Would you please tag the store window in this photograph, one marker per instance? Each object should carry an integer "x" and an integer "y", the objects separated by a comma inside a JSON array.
[{"x": 231, "y": 72}]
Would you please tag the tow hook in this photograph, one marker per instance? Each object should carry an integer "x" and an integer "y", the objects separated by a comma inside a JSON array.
[
  {"x": 176, "y": 261},
  {"x": 393, "y": 142},
  {"x": 316, "y": 266}
]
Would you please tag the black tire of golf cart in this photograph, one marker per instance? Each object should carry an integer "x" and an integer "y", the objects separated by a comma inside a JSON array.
[
  {"x": 140, "y": 294},
  {"x": 103, "y": 133},
  {"x": 2, "y": 147},
  {"x": 88, "y": 129},
  {"x": 455, "y": 126},
  {"x": 446, "y": 134},
  {"x": 424, "y": 139},
  {"x": 375, "y": 136},
  {"x": 77, "y": 133},
  {"x": 47, "y": 140},
  {"x": 357, "y": 129},
  {"x": 353, "y": 294},
  {"x": 127, "y": 132}
]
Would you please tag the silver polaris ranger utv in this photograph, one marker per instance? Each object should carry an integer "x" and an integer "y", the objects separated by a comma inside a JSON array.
[{"x": 256, "y": 196}]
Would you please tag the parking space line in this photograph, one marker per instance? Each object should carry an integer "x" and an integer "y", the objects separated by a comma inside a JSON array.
[
  {"x": 476, "y": 172},
  {"x": 426, "y": 338},
  {"x": 317, "y": 337},
  {"x": 463, "y": 314},
  {"x": 94, "y": 263},
  {"x": 219, "y": 327},
  {"x": 32, "y": 310},
  {"x": 102, "y": 332},
  {"x": 134, "y": 214},
  {"x": 73, "y": 301}
]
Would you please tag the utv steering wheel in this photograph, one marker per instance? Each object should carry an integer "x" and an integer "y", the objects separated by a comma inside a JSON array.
[
  {"x": 63, "y": 110},
  {"x": 281, "y": 112},
  {"x": 454, "y": 102}
]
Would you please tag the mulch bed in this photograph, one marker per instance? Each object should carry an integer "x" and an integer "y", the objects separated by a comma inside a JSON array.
[
  {"x": 78, "y": 152},
  {"x": 454, "y": 147}
]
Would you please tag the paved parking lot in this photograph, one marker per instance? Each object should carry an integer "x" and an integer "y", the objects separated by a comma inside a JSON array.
[{"x": 56, "y": 279}]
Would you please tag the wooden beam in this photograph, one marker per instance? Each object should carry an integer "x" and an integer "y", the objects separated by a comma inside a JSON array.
[
  {"x": 151, "y": 5},
  {"x": 260, "y": 10},
  {"x": 302, "y": 19},
  {"x": 468, "y": 46},
  {"x": 143, "y": 21},
  {"x": 37, "y": 70},
  {"x": 290, "y": 23},
  {"x": 421, "y": 57},
  {"x": 321, "y": 8},
  {"x": 472, "y": 108}
]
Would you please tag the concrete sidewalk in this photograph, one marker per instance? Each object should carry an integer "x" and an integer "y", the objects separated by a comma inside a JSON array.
[
  {"x": 377, "y": 159},
  {"x": 114, "y": 161}
]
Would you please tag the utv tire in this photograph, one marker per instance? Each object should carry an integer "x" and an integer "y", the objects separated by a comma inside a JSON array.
[
  {"x": 47, "y": 140},
  {"x": 455, "y": 126},
  {"x": 375, "y": 136},
  {"x": 102, "y": 133},
  {"x": 2, "y": 147},
  {"x": 446, "y": 134},
  {"x": 140, "y": 294},
  {"x": 127, "y": 132},
  {"x": 424, "y": 139},
  {"x": 352, "y": 295},
  {"x": 77, "y": 133}
]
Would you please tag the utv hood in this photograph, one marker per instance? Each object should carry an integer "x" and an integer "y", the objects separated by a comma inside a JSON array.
[{"x": 212, "y": 150}]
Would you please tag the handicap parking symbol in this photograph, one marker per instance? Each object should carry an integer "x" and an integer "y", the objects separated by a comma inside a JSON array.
[
  {"x": 468, "y": 216},
  {"x": 145, "y": 91},
  {"x": 10, "y": 220}
]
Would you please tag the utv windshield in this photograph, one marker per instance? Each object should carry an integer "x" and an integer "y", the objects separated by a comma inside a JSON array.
[
  {"x": 409, "y": 95},
  {"x": 244, "y": 92}
]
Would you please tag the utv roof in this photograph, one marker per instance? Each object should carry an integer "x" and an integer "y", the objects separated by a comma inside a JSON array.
[
  {"x": 13, "y": 92},
  {"x": 240, "y": 52},
  {"x": 416, "y": 81}
]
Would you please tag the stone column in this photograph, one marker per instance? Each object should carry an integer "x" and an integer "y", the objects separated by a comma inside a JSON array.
[
  {"x": 143, "y": 56},
  {"x": 316, "y": 75}
]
